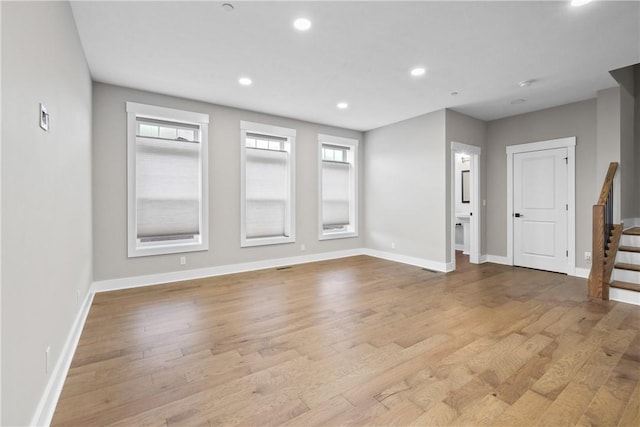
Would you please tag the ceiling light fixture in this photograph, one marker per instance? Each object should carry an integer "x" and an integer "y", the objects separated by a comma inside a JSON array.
[
  {"x": 302, "y": 24},
  {"x": 577, "y": 3},
  {"x": 227, "y": 7},
  {"x": 418, "y": 71},
  {"x": 526, "y": 83},
  {"x": 518, "y": 101},
  {"x": 245, "y": 81},
  {"x": 342, "y": 105}
]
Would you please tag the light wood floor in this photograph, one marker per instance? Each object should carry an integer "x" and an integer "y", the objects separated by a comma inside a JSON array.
[{"x": 357, "y": 341}]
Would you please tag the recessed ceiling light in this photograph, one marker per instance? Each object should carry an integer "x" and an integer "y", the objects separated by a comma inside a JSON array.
[
  {"x": 577, "y": 3},
  {"x": 342, "y": 105},
  {"x": 518, "y": 101},
  {"x": 302, "y": 24},
  {"x": 245, "y": 81},
  {"x": 454, "y": 93},
  {"x": 526, "y": 83},
  {"x": 418, "y": 71},
  {"x": 227, "y": 7}
]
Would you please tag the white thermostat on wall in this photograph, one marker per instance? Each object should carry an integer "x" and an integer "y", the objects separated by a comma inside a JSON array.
[{"x": 44, "y": 118}]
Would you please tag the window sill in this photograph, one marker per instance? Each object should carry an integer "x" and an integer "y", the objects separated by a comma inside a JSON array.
[
  {"x": 264, "y": 241},
  {"x": 337, "y": 235},
  {"x": 176, "y": 248}
]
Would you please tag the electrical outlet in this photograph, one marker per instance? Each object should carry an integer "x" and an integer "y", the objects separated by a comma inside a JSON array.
[
  {"x": 587, "y": 256},
  {"x": 183, "y": 260},
  {"x": 393, "y": 245},
  {"x": 302, "y": 247}
]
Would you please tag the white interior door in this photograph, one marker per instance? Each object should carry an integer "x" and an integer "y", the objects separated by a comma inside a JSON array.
[{"x": 540, "y": 209}]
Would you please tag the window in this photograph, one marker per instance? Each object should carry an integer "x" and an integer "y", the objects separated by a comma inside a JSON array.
[
  {"x": 167, "y": 180},
  {"x": 267, "y": 175},
  {"x": 338, "y": 187}
]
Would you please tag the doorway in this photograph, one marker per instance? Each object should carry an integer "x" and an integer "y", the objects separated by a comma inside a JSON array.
[
  {"x": 541, "y": 205},
  {"x": 465, "y": 202}
]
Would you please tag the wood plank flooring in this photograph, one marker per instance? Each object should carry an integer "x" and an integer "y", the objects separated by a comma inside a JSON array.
[{"x": 357, "y": 341}]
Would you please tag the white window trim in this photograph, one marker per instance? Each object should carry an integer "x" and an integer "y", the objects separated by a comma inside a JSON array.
[
  {"x": 352, "y": 144},
  {"x": 135, "y": 110},
  {"x": 265, "y": 129}
]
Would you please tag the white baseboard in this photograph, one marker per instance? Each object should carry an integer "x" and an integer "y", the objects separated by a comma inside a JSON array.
[
  {"x": 459, "y": 247},
  {"x": 624, "y": 295},
  {"x": 49, "y": 400},
  {"x": 405, "y": 259},
  {"x": 483, "y": 258},
  {"x": 178, "y": 276},
  {"x": 582, "y": 272},
  {"x": 497, "y": 259}
]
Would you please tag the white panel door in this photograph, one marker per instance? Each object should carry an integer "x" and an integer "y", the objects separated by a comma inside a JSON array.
[{"x": 540, "y": 209}]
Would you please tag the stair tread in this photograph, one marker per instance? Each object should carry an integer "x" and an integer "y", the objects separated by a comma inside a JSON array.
[
  {"x": 625, "y": 285},
  {"x": 629, "y": 249},
  {"x": 634, "y": 231},
  {"x": 626, "y": 266}
]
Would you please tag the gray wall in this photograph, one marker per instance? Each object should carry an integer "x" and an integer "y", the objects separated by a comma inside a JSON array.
[
  {"x": 577, "y": 119},
  {"x": 636, "y": 131},
  {"x": 46, "y": 195},
  {"x": 628, "y": 187},
  {"x": 406, "y": 188},
  {"x": 110, "y": 187},
  {"x": 467, "y": 130},
  {"x": 608, "y": 142}
]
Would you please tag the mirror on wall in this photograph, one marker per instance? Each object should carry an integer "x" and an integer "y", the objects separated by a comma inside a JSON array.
[{"x": 466, "y": 187}]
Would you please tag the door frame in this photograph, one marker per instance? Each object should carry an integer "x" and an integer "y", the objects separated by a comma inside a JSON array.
[
  {"x": 474, "y": 233},
  {"x": 570, "y": 144}
]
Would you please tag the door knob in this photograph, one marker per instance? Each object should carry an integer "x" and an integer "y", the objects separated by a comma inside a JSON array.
[{"x": 517, "y": 215}]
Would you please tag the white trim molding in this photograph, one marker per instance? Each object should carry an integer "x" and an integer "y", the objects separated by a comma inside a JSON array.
[
  {"x": 351, "y": 146},
  {"x": 405, "y": 259},
  {"x": 498, "y": 259},
  {"x": 570, "y": 144},
  {"x": 49, "y": 399},
  {"x": 200, "y": 273},
  {"x": 178, "y": 276},
  {"x": 582, "y": 272}
]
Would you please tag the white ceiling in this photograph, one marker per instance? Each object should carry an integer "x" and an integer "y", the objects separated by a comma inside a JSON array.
[{"x": 361, "y": 52}]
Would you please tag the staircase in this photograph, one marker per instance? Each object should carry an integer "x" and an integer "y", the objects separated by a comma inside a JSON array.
[
  {"x": 615, "y": 267},
  {"x": 626, "y": 270}
]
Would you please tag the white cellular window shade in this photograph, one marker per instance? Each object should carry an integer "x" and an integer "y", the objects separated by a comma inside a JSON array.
[
  {"x": 167, "y": 181},
  {"x": 266, "y": 193},
  {"x": 336, "y": 197},
  {"x": 267, "y": 185},
  {"x": 337, "y": 187}
]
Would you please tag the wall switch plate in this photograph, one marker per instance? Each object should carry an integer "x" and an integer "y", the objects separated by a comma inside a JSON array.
[
  {"x": 44, "y": 118},
  {"x": 46, "y": 359},
  {"x": 183, "y": 260},
  {"x": 587, "y": 256}
]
